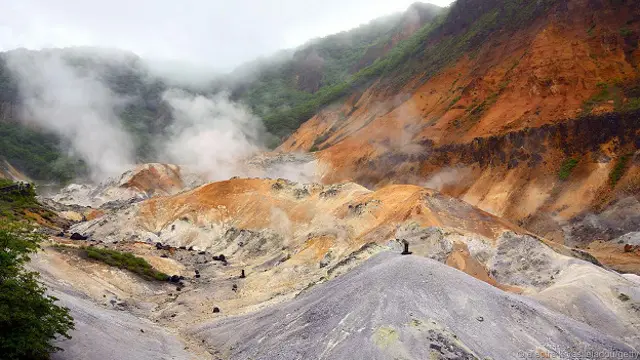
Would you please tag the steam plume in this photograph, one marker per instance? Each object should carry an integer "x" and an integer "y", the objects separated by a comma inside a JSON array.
[
  {"x": 77, "y": 107},
  {"x": 212, "y": 134},
  {"x": 446, "y": 177}
]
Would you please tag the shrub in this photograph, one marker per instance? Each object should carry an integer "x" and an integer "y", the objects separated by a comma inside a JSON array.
[
  {"x": 626, "y": 32},
  {"x": 632, "y": 104},
  {"x": 567, "y": 168},
  {"x": 29, "y": 319},
  {"x": 125, "y": 260},
  {"x": 619, "y": 169},
  {"x": 454, "y": 101}
]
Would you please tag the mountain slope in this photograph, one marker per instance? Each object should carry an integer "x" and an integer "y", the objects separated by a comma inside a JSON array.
[
  {"x": 492, "y": 108},
  {"x": 285, "y": 90},
  {"x": 287, "y": 93},
  {"x": 516, "y": 106},
  {"x": 408, "y": 307}
]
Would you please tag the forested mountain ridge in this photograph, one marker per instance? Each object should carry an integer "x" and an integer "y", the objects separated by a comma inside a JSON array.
[{"x": 284, "y": 91}]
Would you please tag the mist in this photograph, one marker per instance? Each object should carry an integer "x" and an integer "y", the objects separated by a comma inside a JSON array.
[
  {"x": 446, "y": 177},
  {"x": 75, "y": 106},
  {"x": 210, "y": 134}
]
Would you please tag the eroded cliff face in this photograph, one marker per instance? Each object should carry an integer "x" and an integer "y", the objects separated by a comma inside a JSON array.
[{"x": 496, "y": 126}]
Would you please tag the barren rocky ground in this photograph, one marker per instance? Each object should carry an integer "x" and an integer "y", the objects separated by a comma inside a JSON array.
[{"x": 324, "y": 278}]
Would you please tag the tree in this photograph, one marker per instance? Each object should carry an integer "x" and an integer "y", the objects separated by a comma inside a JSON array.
[{"x": 29, "y": 319}]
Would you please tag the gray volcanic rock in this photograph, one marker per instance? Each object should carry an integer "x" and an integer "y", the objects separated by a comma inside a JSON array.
[
  {"x": 404, "y": 307},
  {"x": 106, "y": 334}
]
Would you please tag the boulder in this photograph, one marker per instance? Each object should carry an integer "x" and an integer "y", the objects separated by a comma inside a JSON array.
[{"x": 77, "y": 236}]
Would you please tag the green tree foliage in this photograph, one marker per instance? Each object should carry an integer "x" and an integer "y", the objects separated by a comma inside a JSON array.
[{"x": 29, "y": 319}]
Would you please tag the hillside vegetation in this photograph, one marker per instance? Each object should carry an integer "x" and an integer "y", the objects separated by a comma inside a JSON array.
[
  {"x": 284, "y": 92},
  {"x": 29, "y": 319},
  {"x": 392, "y": 55}
]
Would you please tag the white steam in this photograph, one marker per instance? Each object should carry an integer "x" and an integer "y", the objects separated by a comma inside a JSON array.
[
  {"x": 77, "y": 107},
  {"x": 211, "y": 134},
  {"x": 446, "y": 177}
]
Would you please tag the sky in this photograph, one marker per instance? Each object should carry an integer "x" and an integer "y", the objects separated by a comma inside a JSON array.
[{"x": 217, "y": 34}]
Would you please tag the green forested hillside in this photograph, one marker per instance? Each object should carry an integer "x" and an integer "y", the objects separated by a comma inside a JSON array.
[{"x": 284, "y": 92}]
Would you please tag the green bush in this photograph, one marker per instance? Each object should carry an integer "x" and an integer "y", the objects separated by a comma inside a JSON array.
[
  {"x": 567, "y": 168},
  {"x": 619, "y": 169},
  {"x": 632, "y": 104},
  {"x": 125, "y": 260},
  {"x": 626, "y": 32},
  {"x": 29, "y": 319},
  {"x": 454, "y": 101}
]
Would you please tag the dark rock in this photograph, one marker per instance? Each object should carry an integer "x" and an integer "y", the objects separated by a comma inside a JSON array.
[
  {"x": 435, "y": 347},
  {"x": 234, "y": 287},
  {"x": 203, "y": 253},
  {"x": 174, "y": 278},
  {"x": 159, "y": 245},
  {"x": 182, "y": 248},
  {"x": 164, "y": 256},
  {"x": 406, "y": 248},
  {"x": 215, "y": 310},
  {"x": 242, "y": 276},
  {"x": 60, "y": 234},
  {"x": 197, "y": 276},
  {"x": 173, "y": 227},
  {"x": 76, "y": 236},
  {"x": 480, "y": 318},
  {"x": 190, "y": 248}
]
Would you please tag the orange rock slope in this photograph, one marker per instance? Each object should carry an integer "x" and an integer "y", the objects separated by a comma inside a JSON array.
[
  {"x": 315, "y": 222},
  {"x": 497, "y": 122},
  {"x": 369, "y": 216}
]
